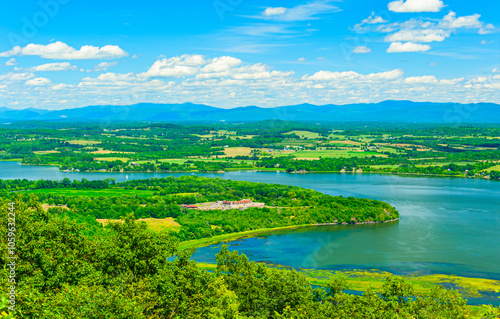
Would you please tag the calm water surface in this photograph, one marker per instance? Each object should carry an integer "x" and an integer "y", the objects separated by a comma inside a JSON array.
[{"x": 447, "y": 225}]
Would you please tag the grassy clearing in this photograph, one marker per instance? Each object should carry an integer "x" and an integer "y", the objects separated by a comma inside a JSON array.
[
  {"x": 291, "y": 142},
  {"x": 46, "y": 152},
  {"x": 493, "y": 168},
  {"x": 111, "y": 159},
  {"x": 384, "y": 166},
  {"x": 46, "y": 207},
  {"x": 156, "y": 224},
  {"x": 305, "y": 134},
  {"x": 101, "y": 151},
  {"x": 92, "y": 193},
  {"x": 346, "y": 142},
  {"x": 237, "y": 151},
  {"x": 83, "y": 142}
]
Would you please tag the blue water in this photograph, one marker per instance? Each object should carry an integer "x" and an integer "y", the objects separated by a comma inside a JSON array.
[{"x": 447, "y": 225}]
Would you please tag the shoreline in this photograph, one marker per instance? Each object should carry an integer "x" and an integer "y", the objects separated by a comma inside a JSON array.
[
  {"x": 262, "y": 170},
  {"x": 203, "y": 242}
]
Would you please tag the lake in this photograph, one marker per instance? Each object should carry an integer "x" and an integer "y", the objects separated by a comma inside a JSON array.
[{"x": 447, "y": 225}]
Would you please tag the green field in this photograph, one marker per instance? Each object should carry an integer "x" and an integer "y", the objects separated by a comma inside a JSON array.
[
  {"x": 494, "y": 168},
  {"x": 83, "y": 142},
  {"x": 305, "y": 134}
]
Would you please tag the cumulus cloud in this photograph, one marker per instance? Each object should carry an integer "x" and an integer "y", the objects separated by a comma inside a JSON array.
[
  {"x": 175, "y": 67},
  {"x": 362, "y": 49},
  {"x": 16, "y": 76},
  {"x": 221, "y": 64},
  {"x": 226, "y": 81},
  {"x": 421, "y": 79},
  {"x": 397, "y": 47},
  {"x": 39, "y": 82},
  {"x": 451, "y": 81},
  {"x": 487, "y": 29},
  {"x": 372, "y": 19},
  {"x": 422, "y": 30},
  {"x": 450, "y": 21},
  {"x": 62, "y": 66},
  {"x": 103, "y": 66},
  {"x": 480, "y": 79},
  {"x": 11, "y": 62},
  {"x": 351, "y": 75},
  {"x": 61, "y": 86},
  {"x": 61, "y": 51},
  {"x": 418, "y": 35},
  {"x": 415, "y": 6}
]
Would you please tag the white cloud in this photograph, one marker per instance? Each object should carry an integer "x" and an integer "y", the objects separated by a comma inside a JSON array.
[
  {"x": 351, "y": 75},
  {"x": 396, "y": 47},
  {"x": 372, "y": 19},
  {"x": 230, "y": 82},
  {"x": 257, "y": 71},
  {"x": 61, "y": 66},
  {"x": 415, "y": 6},
  {"x": 301, "y": 59},
  {"x": 450, "y": 21},
  {"x": 418, "y": 35},
  {"x": 61, "y": 86},
  {"x": 221, "y": 64},
  {"x": 301, "y": 12},
  {"x": 451, "y": 81},
  {"x": 17, "y": 76},
  {"x": 62, "y": 51},
  {"x": 487, "y": 29},
  {"x": 111, "y": 77},
  {"x": 423, "y": 30},
  {"x": 480, "y": 79},
  {"x": 175, "y": 67},
  {"x": 362, "y": 49},
  {"x": 39, "y": 82},
  {"x": 11, "y": 62},
  {"x": 274, "y": 11},
  {"x": 421, "y": 79},
  {"x": 496, "y": 77},
  {"x": 495, "y": 70},
  {"x": 103, "y": 66}
]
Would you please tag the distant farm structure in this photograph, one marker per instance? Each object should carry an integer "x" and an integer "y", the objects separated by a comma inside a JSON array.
[{"x": 225, "y": 205}]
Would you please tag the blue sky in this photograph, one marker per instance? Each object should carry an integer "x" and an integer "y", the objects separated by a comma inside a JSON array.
[{"x": 58, "y": 54}]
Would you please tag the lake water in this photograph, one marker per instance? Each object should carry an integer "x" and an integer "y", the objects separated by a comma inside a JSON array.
[{"x": 447, "y": 225}]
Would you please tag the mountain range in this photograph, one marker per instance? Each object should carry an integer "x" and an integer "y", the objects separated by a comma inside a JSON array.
[{"x": 386, "y": 111}]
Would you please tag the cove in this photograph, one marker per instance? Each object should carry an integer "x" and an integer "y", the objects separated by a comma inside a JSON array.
[{"x": 447, "y": 225}]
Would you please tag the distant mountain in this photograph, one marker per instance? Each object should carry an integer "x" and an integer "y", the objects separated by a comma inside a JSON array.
[{"x": 387, "y": 111}]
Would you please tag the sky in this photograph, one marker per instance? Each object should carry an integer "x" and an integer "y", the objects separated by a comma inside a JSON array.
[{"x": 59, "y": 54}]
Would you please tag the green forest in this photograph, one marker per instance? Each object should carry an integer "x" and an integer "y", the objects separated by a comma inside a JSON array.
[
  {"x": 285, "y": 205},
  {"x": 128, "y": 272}
]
